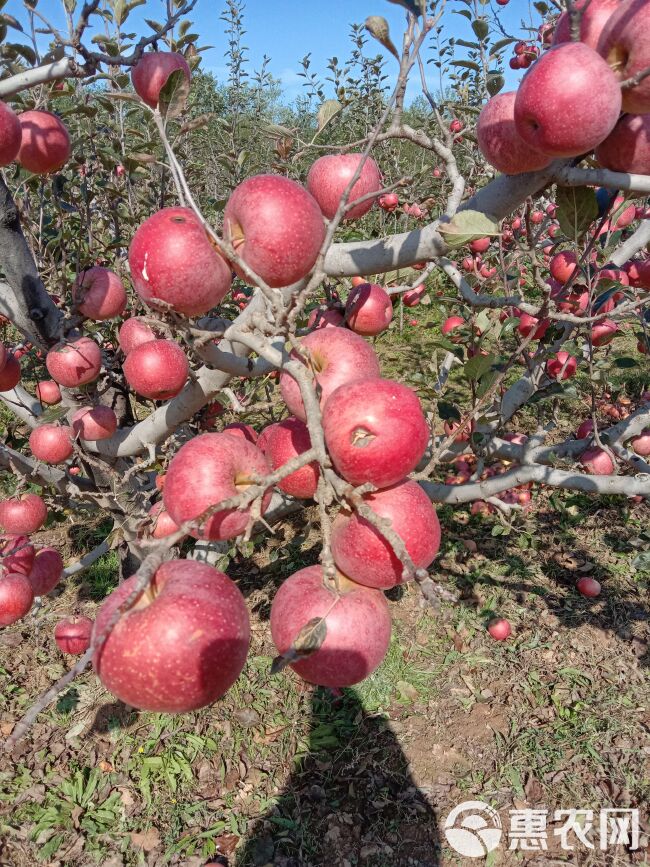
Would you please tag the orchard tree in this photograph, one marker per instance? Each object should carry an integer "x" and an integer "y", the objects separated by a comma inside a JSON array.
[{"x": 176, "y": 251}]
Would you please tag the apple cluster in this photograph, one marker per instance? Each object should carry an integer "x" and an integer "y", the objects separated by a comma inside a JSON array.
[{"x": 570, "y": 100}]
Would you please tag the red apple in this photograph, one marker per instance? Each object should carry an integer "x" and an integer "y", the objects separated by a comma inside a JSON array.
[
  {"x": 531, "y": 325},
  {"x": 181, "y": 646},
  {"x": 358, "y": 627},
  {"x": 10, "y": 373},
  {"x": 623, "y": 45},
  {"x": 336, "y": 356},
  {"x": 163, "y": 523},
  {"x": 44, "y": 144},
  {"x": 480, "y": 245},
  {"x": 593, "y": 20},
  {"x": 361, "y": 552},
  {"x": 46, "y": 571},
  {"x": 285, "y": 441},
  {"x": 99, "y": 294},
  {"x": 451, "y": 324},
  {"x": 585, "y": 429},
  {"x": 597, "y": 462},
  {"x": 239, "y": 429},
  {"x": 276, "y": 227},
  {"x": 157, "y": 369},
  {"x": 206, "y": 470},
  {"x": 569, "y": 81},
  {"x": 325, "y": 317},
  {"x": 74, "y": 363},
  {"x": 330, "y": 175},
  {"x": 133, "y": 332},
  {"x": 627, "y": 147},
  {"x": 72, "y": 635},
  {"x": 413, "y": 297},
  {"x": 588, "y": 587},
  {"x": 48, "y": 392},
  {"x": 375, "y": 431},
  {"x": 368, "y": 310},
  {"x": 456, "y": 125},
  {"x": 16, "y": 598},
  {"x": 641, "y": 444},
  {"x": 603, "y": 332},
  {"x": 173, "y": 260},
  {"x": 499, "y": 141},
  {"x": 23, "y": 515},
  {"x": 499, "y": 628},
  {"x": 152, "y": 71},
  {"x": 10, "y": 135},
  {"x": 3, "y": 349},
  {"x": 388, "y": 202},
  {"x": 561, "y": 365},
  {"x": 16, "y": 554},
  {"x": 51, "y": 443},
  {"x": 94, "y": 423}
]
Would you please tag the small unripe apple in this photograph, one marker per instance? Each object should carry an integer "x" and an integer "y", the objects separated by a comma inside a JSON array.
[{"x": 499, "y": 628}]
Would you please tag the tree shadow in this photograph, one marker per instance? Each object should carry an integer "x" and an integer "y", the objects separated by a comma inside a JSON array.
[{"x": 350, "y": 798}]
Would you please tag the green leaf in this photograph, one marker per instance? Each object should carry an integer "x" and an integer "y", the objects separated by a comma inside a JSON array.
[
  {"x": 577, "y": 208},
  {"x": 626, "y": 362},
  {"x": 447, "y": 411},
  {"x": 481, "y": 28},
  {"x": 467, "y": 64},
  {"x": 642, "y": 562},
  {"x": 173, "y": 96},
  {"x": 468, "y": 226},
  {"x": 473, "y": 45},
  {"x": 495, "y": 83},
  {"x": 329, "y": 109},
  {"x": 501, "y": 44},
  {"x": 476, "y": 367}
]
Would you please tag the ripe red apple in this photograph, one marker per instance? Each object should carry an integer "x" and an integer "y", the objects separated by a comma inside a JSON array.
[
  {"x": 480, "y": 245},
  {"x": 206, "y": 470},
  {"x": 181, "y": 646},
  {"x": 499, "y": 628},
  {"x": 561, "y": 365},
  {"x": 531, "y": 325},
  {"x": 456, "y": 125},
  {"x": 285, "y": 440},
  {"x": 173, "y": 260},
  {"x": 358, "y": 627},
  {"x": 16, "y": 598},
  {"x": 337, "y": 356},
  {"x": 325, "y": 317},
  {"x": 276, "y": 227},
  {"x": 10, "y": 135},
  {"x": 623, "y": 45},
  {"x": 593, "y": 20},
  {"x": 133, "y": 332},
  {"x": 51, "y": 443},
  {"x": 330, "y": 175},
  {"x": 597, "y": 462},
  {"x": 46, "y": 571},
  {"x": 569, "y": 81},
  {"x": 23, "y": 515},
  {"x": 94, "y": 423},
  {"x": 163, "y": 523},
  {"x": 641, "y": 444},
  {"x": 74, "y": 363},
  {"x": 388, "y": 202},
  {"x": 413, "y": 297},
  {"x": 152, "y": 71},
  {"x": 16, "y": 554},
  {"x": 368, "y": 310},
  {"x": 603, "y": 332},
  {"x": 239, "y": 429},
  {"x": 499, "y": 141},
  {"x": 588, "y": 587},
  {"x": 451, "y": 324},
  {"x": 362, "y": 553},
  {"x": 48, "y": 392},
  {"x": 156, "y": 369},
  {"x": 375, "y": 431},
  {"x": 627, "y": 147},
  {"x": 99, "y": 294},
  {"x": 72, "y": 635},
  {"x": 10, "y": 374},
  {"x": 3, "y": 349},
  {"x": 585, "y": 429},
  {"x": 44, "y": 144}
]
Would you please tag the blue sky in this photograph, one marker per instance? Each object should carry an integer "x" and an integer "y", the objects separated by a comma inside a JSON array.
[{"x": 286, "y": 30}]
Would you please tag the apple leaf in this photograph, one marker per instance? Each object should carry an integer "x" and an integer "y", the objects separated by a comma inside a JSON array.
[
  {"x": 481, "y": 28},
  {"x": 495, "y": 82},
  {"x": 329, "y": 109},
  {"x": 577, "y": 208},
  {"x": 479, "y": 365},
  {"x": 468, "y": 226},
  {"x": 308, "y": 641},
  {"x": 173, "y": 96},
  {"x": 447, "y": 411}
]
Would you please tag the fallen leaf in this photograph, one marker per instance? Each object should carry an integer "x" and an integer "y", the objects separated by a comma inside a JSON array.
[
  {"x": 227, "y": 843},
  {"x": 146, "y": 840}
]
